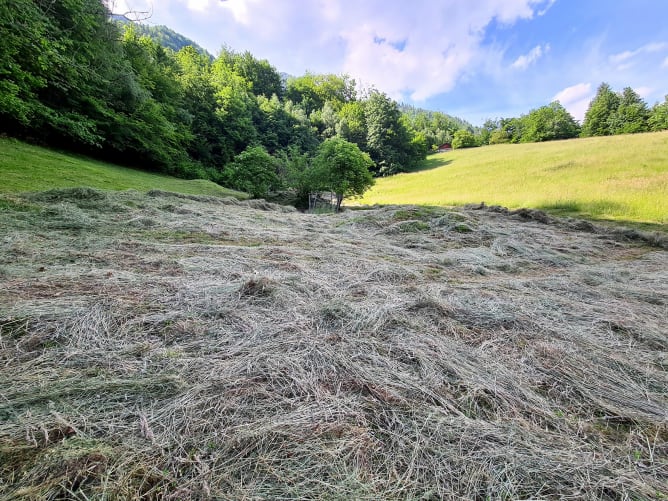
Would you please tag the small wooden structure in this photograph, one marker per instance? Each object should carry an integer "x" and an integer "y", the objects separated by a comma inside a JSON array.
[
  {"x": 321, "y": 200},
  {"x": 444, "y": 147}
]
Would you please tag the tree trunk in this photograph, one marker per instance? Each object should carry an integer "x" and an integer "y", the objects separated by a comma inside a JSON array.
[{"x": 339, "y": 199}]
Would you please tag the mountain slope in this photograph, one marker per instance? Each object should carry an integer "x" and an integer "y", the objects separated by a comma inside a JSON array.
[{"x": 165, "y": 36}]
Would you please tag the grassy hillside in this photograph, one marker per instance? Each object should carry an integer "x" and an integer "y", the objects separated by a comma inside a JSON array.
[
  {"x": 619, "y": 177},
  {"x": 152, "y": 349},
  {"x": 25, "y": 167}
]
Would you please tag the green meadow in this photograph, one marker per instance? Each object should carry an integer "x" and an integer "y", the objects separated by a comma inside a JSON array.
[
  {"x": 25, "y": 167},
  {"x": 622, "y": 178}
]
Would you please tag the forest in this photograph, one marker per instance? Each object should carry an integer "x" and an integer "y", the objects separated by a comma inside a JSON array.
[{"x": 76, "y": 78}]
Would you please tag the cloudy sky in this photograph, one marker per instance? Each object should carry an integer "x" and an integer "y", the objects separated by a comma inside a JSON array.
[{"x": 473, "y": 59}]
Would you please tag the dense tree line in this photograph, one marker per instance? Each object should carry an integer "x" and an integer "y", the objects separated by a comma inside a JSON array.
[
  {"x": 433, "y": 127},
  {"x": 546, "y": 123},
  {"x": 73, "y": 77},
  {"x": 608, "y": 113},
  {"x": 623, "y": 112}
]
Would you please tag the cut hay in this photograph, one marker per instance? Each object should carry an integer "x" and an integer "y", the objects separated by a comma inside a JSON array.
[{"x": 237, "y": 351}]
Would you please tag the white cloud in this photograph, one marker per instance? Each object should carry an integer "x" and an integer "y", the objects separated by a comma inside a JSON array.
[
  {"x": 199, "y": 5},
  {"x": 644, "y": 92},
  {"x": 665, "y": 63},
  {"x": 240, "y": 10},
  {"x": 132, "y": 9},
  {"x": 623, "y": 56},
  {"x": 442, "y": 42},
  {"x": 624, "y": 59},
  {"x": 655, "y": 47},
  {"x": 415, "y": 52},
  {"x": 576, "y": 99},
  {"x": 549, "y": 5},
  {"x": 526, "y": 60}
]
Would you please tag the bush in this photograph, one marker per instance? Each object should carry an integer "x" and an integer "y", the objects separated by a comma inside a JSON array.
[
  {"x": 253, "y": 171},
  {"x": 463, "y": 139}
]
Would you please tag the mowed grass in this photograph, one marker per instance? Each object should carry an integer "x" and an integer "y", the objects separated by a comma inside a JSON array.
[
  {"x": 167, "y": 347},
  {"x": 623, "y": 178},
  {"x": 25, "y": 167}
]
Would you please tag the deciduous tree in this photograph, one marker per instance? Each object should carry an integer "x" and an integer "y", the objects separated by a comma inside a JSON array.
[
  {"x": 631, "y": 115},
  {"x": 601, "y": 111},
  {"x": 548, "y": 123},
  {"x": 199, "y": 103},
  {"x": 235, "y": 107},
  {"x": 351, "y": 124},
  {"x": 341, "y": 167},
  {"x": 463, "y": 139},
  {"x": 388, "y": 140},
  {"x": 263, "y": 78},
  {"x": 312, "y": 91},
  {"x": 658, "y": 119},
  {"x": 253, "y": 171}
]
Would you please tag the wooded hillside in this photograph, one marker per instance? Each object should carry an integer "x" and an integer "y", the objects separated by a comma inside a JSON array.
[{"x": 74, "y": 78}]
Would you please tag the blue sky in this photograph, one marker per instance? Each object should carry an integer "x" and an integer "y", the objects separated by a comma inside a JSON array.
[{"x": 472, "y": 59}]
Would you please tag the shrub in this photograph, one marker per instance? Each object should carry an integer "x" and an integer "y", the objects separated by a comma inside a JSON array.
[
  {"x": 253, "y": 171},
  {"x": 463, "y": 139}
]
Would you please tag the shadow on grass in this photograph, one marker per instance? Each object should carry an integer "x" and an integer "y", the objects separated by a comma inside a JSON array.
[
  {"x": 433, "y": 162},
  {"x": 596, "y": 212}
]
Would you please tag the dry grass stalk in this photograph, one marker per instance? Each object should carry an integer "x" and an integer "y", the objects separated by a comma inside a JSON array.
[{"x": 241, "y": 353}]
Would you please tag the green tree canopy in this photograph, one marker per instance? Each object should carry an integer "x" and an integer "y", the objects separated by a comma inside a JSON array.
[
  {"x": 253, "y": 171},
  {"x": 351, "y": 124},
  {"x": 312, "y": 91},
  {"x": 601, "y": 111},
  {"x": 27, "y": 56},
  {"x": 631, "y": 115},
  {"x": 388, "y": 140},
  {"x": 548, "y": 123},
  {"x": 199, "y": 103},
  {"x": 235, "y": 107},
  {"x": 658, "y": 119},
  {"x": 487, "y": 129},
  {"x": 263, "y": 78},
  {"x": 463, "y": 139},
  {"x": 325, "y": 120},
  {"x": 341, "y": 167},
  {"x": 153, "y": 128},
  {"x": 435, "y": 127},
  {"x": 60, "y": 70}
]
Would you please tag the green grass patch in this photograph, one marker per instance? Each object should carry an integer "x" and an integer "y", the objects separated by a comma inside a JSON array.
[
  {"x": 25, "y": 167},
  {"x": 413, "y": 226},
  {"x": 421, "y": 213},
  {"x": 9, "y": 204},
  {"x": 618, "y": 178}
]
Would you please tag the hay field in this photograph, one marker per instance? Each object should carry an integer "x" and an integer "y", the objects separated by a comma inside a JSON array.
[
  {"x": 621, "y": 178},
  {"x": 162, "y": 346}
]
